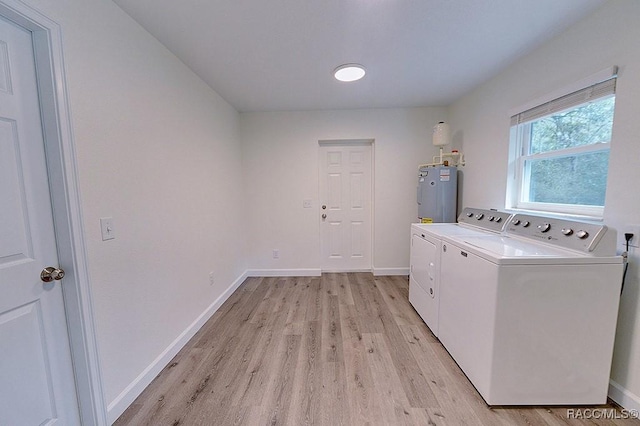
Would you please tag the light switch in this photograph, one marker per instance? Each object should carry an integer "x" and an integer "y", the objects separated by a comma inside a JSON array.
[{"x": 108, "y": 230}]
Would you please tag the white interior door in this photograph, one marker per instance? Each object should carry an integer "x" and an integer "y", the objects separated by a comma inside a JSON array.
[
  {"x": 36, "y": 375},
  {"x": 345, "y": 206}
]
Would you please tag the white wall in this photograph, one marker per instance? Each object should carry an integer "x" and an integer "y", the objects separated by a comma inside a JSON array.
[
  {"x": 280, "y": 158},
  {"x": 159, "y": 152},
  {"x": 480, "y": 122}
]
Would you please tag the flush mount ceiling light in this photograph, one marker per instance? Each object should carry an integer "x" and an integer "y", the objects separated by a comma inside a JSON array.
[{"x": 349, "y": 72}]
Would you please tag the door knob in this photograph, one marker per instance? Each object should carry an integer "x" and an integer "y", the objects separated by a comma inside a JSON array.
[
  {"x": 50, "y": 273},
  {"x": 324, "y": 216}
]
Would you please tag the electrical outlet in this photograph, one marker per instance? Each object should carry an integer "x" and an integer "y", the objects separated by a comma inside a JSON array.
[
  {"x": 276, "y": 254},
  {"x": 211, "y": 279}
]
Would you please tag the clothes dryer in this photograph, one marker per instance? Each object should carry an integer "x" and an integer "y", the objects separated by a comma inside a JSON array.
[{"x": 426, "y": 243}]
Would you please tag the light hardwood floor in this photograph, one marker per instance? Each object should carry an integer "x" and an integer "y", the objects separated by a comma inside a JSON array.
[{"x": 341, "y": 349}]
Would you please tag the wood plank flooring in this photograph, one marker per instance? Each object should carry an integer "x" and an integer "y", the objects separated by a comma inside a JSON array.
[{"x": 341, "y": 349}]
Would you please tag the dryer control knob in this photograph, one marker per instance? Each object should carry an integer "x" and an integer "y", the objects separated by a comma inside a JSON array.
[
  {"x": 582, "y": 234},
  {"x": 469, "y": 214},
  {"x": 498, "y": 219},
  {"x": 479, "y": 216},
  {"x": 567, "y": 231},
  {"x": 516, "y": 222},
  {"x": 492, "y": 218},
  {"x": 525, "y": 224}
]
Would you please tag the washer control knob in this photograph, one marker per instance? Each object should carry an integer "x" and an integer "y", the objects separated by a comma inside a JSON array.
[
  {"x": 492, "y": 218},
  {"x": 498, "y": 219},
  {"x": 479, "y": 216},
  {"x": 567, "y": 231},
  {"x": 544, "y": 227},
  {"x": 525, "y": 224},
  {"x": 470, "y": 214},
  {"x": 516, "y": 222},
  {"x": 582, "y": 234}
]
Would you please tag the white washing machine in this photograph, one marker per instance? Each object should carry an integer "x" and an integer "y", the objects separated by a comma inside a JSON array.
[
  {"x": 530, "y": 315},
  {"x": 426, "y": 243}
]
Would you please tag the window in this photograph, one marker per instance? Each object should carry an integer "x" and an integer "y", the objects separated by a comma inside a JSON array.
[{"x": 560, "y": 153}]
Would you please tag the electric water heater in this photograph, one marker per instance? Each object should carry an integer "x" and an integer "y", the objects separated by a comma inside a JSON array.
[{"x": 437, "y": 194}]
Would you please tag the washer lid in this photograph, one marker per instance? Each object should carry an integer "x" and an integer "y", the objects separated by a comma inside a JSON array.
[{"x": 508, "y": 250}]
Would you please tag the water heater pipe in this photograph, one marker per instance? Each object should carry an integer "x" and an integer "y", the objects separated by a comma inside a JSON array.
[{"x": 457, "y": 159}]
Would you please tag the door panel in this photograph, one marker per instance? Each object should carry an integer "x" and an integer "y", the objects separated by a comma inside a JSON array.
[
  {"x": 357, "y": 239},
  {"x": 335, "y": 191},
  {"x": 357, "y": 187},
  {"x": 16, "y": 241},
  {"x": 36, "y": 375},
  {"x": 23, "y": 326},
  {"x": 345, "y": 191}
]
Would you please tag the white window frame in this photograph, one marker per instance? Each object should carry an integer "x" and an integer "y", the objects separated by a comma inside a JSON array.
[{"x": 519, "y": 138}]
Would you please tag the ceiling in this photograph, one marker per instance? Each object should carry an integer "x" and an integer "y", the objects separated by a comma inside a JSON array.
[{"x": 274, "y": 55}]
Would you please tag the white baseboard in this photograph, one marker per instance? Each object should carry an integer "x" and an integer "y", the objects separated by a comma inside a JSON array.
[
  {"x": 312, "y": 272},
  {"x": 283, "y": 273},
  {"x": 623, "y": 397},
  {"x": 135, "y": 388},
  {"x": 390, "y": 271}
]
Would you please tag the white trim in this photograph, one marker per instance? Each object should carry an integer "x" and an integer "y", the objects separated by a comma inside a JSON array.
[
  {"x": 313, "y": 272},
  {"x": 346, "y": 142},
  {"x": 575, "y": 210},
  {"x": 623, "y": 397},
  {"x": 580, "y": 217},
  {"x": 344, "y": 271},
  {"x": 568, "y": 152},
  {"x": 67, "y": 212},
  {"x": 284, "y": 272},
  {"x": 378, "y": 272},
  {"x": 135, "y": 388},
  {"x": 594, "y": 78}
]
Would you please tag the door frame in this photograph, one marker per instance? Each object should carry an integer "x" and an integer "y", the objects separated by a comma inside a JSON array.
[
  {"x": 350, "y": 142},
  {"x": 65, "y": 199}
]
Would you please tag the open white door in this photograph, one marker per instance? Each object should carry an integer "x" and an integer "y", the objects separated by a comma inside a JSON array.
[
  {"x": 345, "y": 205},
  {"x": 36, "y": 374}
]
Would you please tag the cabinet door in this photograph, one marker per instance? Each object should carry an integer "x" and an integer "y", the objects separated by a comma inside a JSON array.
[{"x": 424, "y": 282}]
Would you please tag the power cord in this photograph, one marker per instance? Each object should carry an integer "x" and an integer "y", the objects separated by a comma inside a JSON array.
[{"x": 625, "y": 257}]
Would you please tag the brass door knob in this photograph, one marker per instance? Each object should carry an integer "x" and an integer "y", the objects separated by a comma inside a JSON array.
[{"x": 50, "y": 273}]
